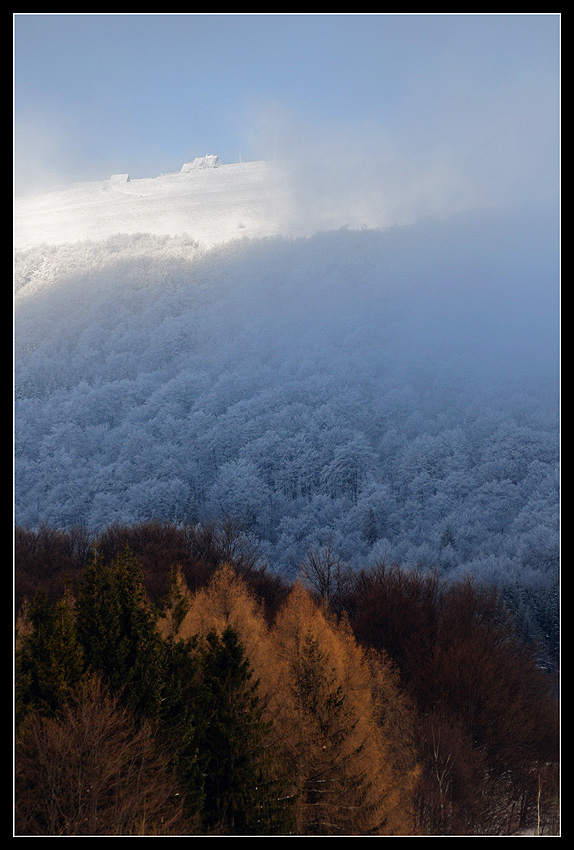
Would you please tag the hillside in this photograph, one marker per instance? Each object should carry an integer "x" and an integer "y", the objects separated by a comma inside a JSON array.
[
  {"x": 391, "y": 392},
  {"x": 211, "y": 204},
  {"x": 217, "y": 202}
]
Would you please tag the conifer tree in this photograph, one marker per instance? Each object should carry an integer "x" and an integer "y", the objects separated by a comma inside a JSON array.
[
  {"x": 49, "y": 658},
  {"x": 117, "y": 627},
  {"x": 225, "y": 602},
  {"x": 239, "y": 791},
  {"x": 227, "y": 638},
  {"x": 181, "y": 705},
  {"x": 176, "y": 604},
  {"x": 341, "y": 762}
]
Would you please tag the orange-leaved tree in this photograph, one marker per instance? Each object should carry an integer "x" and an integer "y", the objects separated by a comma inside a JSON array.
[
  {"x": 238, "y": 738},
  {"x": 351, "y": 763}
]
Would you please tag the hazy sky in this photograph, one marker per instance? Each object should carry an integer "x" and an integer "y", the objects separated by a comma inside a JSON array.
[{"x": 465, "y": 104}]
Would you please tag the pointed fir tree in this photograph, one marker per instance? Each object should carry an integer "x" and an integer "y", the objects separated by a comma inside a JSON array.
[
  {"x": 49, "y": 660},
  {"x": 240, "y": 793},
  {"x": 180, "y": 717},
  {"x": 117, "y": 627},
  {"x": 227, "y": 603}
]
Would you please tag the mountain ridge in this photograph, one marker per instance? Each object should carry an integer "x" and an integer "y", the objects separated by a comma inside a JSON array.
[
  {"x": 215, "y": 203},
  {"x": 212, "y": 205}
]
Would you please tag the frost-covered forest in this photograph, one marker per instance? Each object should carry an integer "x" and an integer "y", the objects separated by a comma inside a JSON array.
[{"x": 391, "y": 394}]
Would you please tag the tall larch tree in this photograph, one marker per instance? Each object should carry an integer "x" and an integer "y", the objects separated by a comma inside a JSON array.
[
  {"x": 237, "y": 712},
  {"x": 226, "y": 602},
  {"x": 341, "y": 763}
]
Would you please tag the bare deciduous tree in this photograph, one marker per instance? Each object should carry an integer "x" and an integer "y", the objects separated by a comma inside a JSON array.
[
  {"x": 326, "y": 573},
  {"x": 93, "y": 770}
]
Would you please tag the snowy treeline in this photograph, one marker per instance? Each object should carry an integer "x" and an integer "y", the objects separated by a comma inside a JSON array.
[{"x": 390, "y": 393}]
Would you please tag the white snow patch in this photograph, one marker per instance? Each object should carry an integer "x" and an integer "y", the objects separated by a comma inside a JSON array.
[{"x": 209, "y": 204}]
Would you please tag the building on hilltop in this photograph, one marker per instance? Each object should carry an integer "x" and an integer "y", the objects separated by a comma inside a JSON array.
[{"x": 201, "y": 162}]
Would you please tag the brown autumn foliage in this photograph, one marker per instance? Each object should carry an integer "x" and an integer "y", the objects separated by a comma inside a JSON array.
[
  {"x": 93, "y": 770},
  {"x": 47, "y": 558},
  {"x": 488, "y": 719},
  {"x": 400, "y": 703}
]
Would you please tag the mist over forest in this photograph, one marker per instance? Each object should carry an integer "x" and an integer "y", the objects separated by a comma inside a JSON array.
[
  {"x": 390, "y": 393},
  {"x": 287, "y": 424}
]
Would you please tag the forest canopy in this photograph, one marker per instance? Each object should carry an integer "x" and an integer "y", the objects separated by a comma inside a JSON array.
[
  {"x": 396, "y": 390},
  {"x": 202, "y": 697}
]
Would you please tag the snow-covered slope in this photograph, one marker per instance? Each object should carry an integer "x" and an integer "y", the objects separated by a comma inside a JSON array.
[
  {"x": 211, "y": 205},
  {"x": 388, "y": 390}
]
